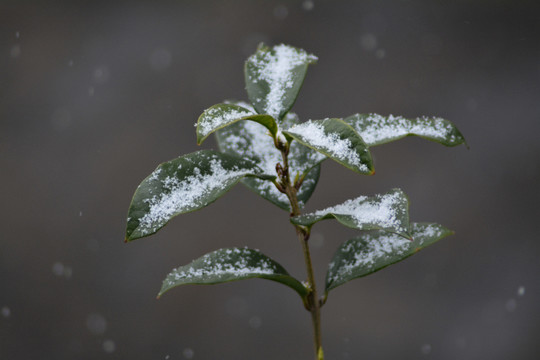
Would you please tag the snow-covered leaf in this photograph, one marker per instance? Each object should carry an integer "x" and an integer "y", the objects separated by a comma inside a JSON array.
[
  {"x": 274, "y": 77},
  {"x": 373, "y": 251},
  {"x": 222, "y": 115},
  {"x": 232, "y": 264},
  {"x": 389, "y": 212},
  {"x": 249, "y": 140},
  {"x": 337, "y": 140},
  {"x": 376, "y": 129},
  {"x": 185, "y": 184}
]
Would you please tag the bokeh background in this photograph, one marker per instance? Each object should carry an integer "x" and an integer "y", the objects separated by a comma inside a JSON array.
[{"x": 93, "y": 95}]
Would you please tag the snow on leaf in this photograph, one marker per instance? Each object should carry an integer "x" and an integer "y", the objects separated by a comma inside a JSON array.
[
  {"x": 222, "y": 115},
  {"x": 185, "y": 184},
  {"x": 337, "y": 140},
  {"x": 388, "y": 212},
  {"x": 377, "y": 129},
  {"x": 373, "y": 251},
  {"x": 274, "y": 77},
  {"x": 249, "y": 140},
  {"x": 231, "y": 264}
]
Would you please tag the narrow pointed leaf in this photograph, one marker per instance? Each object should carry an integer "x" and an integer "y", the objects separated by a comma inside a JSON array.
[
  {"x": 274, "y": 77},
  {"x": 182, "y": 185},
  {"x": 376, "y": 129},
  {"x": 388, "y": 212},
  {"x": 337, "y": 140},
  {"x": 250, "y": 140},
  {"x": 373, "y": 251},
  {"x": 232, "y": 264},
  {"x": 222, "y": 115}
]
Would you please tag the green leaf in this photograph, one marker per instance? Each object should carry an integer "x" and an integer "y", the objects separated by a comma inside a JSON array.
[
  {"x": 376, "y": 129},
  {"x": 337, "y": 140},
  {"x": 250, "y": 140},
  {"x": 274, "y": 77},
  {"x": 182, "y": 185},
  {"x": 222, "y": 115},
  {"x": 388, "y": 212},
  {"x": 232, "y": 264},
  {"x": 371, "y": 252}
]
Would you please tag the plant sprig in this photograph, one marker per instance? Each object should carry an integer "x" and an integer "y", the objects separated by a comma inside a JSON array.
[{"x": 268, "y": 149}]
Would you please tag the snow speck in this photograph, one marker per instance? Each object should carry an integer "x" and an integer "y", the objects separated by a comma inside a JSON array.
[
  {"x": 255, "y": 322},
  {"x": 380, "y": 53},
  {"x": 188, "y": 353},
  {"x": 109, "y": 346},
  {"x": 17, "y": 35},
  {"x": 101, "y": 74},
  {"x": 96, "y": 324},
  {"x": 281, "y": 12},
  {"x": 5, "y": 311},
  {"x": 61, "y": 118},
  {"x": 511, "y": 305},
  {"x": 277, "y": 69},
  {"x": 60, "y": 269},
  {"x": 15, "y": 51},
  {"x": 160, "y": 59},
  {"x": 91, "y": 91},
  {"x": 425, "y": 349},
  {"x": 368, "y": 42},
  {"x": 80, "y": 213},
  {"x": 316, "y": 135},
  {"x": 167, "y": 357},
  {"x": 521, "y": 291},
  {"x": 308, "y": 5},
  {"x": 70, "y": 63}
]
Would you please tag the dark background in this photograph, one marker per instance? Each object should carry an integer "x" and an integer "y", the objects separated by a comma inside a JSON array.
[{"x": 94, "y": 95}]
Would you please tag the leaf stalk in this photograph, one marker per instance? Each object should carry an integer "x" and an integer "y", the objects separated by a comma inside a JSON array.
[{"x": 312, "y": 302}]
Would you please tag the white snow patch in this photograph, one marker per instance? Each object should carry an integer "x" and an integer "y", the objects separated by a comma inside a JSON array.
[
  {"x": 216, "y": 117},
  {"x": 231, "y": 262},
  {"x": 365, "y": 255},
  {"x": 377, "y": 128},
  {"x": 183, "y": 195},
  {"x": 276, "y": 69},
  {"x": 317, "y": 136},
  {"x": 380, "y": 210}
]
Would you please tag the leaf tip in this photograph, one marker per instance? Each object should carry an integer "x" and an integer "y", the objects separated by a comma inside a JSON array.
[{"x": 200, "y": 139}]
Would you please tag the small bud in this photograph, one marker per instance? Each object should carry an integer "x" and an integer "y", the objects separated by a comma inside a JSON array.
[{"x": 279, "y": 169}]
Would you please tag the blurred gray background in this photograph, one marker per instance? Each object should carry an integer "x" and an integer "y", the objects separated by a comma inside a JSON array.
[{"x": 94, "y": 95}]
